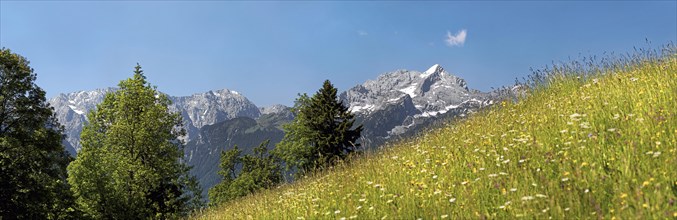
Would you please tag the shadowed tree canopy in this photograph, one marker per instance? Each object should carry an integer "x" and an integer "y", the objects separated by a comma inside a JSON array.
[{"x": 32, "y": 159}]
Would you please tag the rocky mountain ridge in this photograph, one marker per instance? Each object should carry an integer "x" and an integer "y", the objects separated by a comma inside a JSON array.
[{"x": 198, "y": 110}]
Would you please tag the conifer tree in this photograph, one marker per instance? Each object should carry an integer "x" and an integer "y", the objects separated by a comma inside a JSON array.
[
  {"x": 32, "y": 158},
  {"x": 322, "y": 133},
  {"x": 130, "y": 165}
]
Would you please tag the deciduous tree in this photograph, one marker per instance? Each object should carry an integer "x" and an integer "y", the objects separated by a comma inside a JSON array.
[
  {"x": 32, "y": 158},
  {"x": 258, "y": 171},
  {"x": 130, "y": 165}
]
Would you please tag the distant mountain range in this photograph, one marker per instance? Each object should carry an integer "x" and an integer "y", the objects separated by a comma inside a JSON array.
[
  {"x": 395, "y": 105},
  {"x": 198, "y": 110}
]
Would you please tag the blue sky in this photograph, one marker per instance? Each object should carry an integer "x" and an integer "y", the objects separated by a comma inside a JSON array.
[{"x": 270, "y": 51}]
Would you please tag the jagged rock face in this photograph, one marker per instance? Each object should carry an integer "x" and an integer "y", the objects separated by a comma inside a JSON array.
[
  {"x": 71, "y": 110},
  {"x": 401, "y": 102},
  {"x": 381, "y": 121},
  {"x": 273, "y": 109},
  {"x": 197, "y": 110},
  {"x": 208, "y": 108}
]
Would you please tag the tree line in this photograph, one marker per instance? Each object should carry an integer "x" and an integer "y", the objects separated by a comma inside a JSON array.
[{"x": 131, "y": 164}]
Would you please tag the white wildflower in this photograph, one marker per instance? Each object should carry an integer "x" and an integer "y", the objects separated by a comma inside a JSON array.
[{"x": 575, "y": 116}]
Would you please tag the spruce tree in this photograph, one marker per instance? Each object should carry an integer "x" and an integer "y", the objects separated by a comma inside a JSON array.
[
  {"x": 32, "y": 158},
  {"x": 130, "y": 165},
  {"x": 322, "y": 133}
]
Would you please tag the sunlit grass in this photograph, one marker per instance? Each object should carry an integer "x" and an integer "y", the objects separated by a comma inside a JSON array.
[{"x": 598, "y": 146}]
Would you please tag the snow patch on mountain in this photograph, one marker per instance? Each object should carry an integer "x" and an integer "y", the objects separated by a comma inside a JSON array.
[
  {"x": 433, "y": 69},
  {"x": 410, "y": 90},
  {"x": 365, "y": 108},
  {"x": 75, "y": 109},
  {"x": 435, "y": 113}
]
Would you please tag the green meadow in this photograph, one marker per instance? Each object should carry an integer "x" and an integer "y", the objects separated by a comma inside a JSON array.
[{"x": 589, "y": 141}]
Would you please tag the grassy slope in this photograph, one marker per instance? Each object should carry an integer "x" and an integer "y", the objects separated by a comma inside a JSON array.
[{"x": 603, "y": 147}]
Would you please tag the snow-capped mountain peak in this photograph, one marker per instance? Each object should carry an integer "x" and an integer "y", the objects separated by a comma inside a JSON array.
[
  {"x": 432, "y": 70},
  {"x": 400, "y": 102},
  {"x": 431, "y": 90}
]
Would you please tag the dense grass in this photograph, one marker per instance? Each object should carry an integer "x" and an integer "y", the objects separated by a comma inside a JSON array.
[{"x": 598, "y": 144}]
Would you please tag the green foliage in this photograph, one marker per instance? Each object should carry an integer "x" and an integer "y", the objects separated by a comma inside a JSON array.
[
  {"x": 32, "y": 159},
  {"x": 295, "y": 148},
  {"x": 321, "y": 134},
  {"x": 130, "y": 164},
  {"x": 596, "y": 146},
  {"x": 258, "y": 171}
]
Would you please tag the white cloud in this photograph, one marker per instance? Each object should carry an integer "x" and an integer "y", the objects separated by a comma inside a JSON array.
[
  {"x": 362, "y": 33},
  {"x": 456, "y": 40}
]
